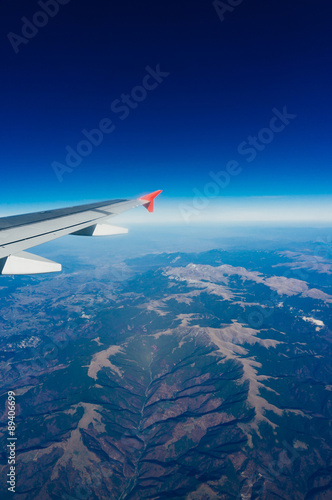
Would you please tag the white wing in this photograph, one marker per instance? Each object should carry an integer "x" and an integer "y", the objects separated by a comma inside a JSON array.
[{"x": 19, "y": 232}]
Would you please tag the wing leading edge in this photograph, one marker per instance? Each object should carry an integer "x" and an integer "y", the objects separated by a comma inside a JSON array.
[{"x": 20, "y": 232}]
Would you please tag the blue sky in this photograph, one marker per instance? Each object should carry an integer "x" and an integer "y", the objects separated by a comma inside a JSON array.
[{"x": 221, "y": 84}]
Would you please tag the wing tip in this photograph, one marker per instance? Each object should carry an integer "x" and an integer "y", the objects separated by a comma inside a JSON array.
[{"x": 149, "y": 200}]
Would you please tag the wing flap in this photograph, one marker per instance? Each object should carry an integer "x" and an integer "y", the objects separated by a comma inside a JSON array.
[{"x": 101, "y": 230}]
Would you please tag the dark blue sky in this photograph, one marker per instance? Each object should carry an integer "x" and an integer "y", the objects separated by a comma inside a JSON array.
[{"x": 225, "y": 78}]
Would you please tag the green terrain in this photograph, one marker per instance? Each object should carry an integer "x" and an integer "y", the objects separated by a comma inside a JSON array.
[{"x": 191, "y": 376}]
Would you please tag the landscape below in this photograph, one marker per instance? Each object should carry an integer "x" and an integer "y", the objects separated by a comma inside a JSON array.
[{"x": 173, "y": 375}]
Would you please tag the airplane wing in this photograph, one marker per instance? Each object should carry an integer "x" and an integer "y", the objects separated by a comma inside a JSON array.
[{"x": 19, "y": 232}]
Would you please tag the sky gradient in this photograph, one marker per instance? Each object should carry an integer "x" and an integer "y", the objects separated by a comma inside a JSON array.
[{"x": 186, "y": 95}]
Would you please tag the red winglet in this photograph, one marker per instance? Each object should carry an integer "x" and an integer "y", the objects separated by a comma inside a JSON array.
[{"x": 149, "y": 198}]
